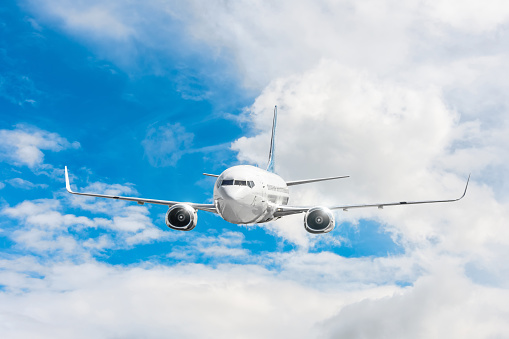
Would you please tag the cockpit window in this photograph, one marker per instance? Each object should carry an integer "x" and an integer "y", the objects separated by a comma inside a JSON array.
[{"x": 250, "y": 184}]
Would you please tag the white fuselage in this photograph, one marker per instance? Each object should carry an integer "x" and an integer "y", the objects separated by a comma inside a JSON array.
[{"x": 247, "y": 194}]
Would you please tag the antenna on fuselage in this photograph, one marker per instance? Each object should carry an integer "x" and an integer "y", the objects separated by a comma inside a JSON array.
[{"x": 270, "y": 165}]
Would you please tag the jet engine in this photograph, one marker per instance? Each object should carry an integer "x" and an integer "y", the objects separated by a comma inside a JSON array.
[
  {"x": 319, "y": 220},
  {"x": 181, "y": 217}
]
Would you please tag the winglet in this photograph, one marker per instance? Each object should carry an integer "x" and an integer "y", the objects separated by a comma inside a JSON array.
[
  {"x": 67, "y": 185},
  {"x": 270, "y": 165},
  {"x": 466, "y": 186}
]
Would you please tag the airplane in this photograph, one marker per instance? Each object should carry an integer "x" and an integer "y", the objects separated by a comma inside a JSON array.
[{"x": 246, "y": 194}]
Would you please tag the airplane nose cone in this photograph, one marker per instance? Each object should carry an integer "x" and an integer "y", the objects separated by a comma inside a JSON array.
[{"x": 233, "y": 193}]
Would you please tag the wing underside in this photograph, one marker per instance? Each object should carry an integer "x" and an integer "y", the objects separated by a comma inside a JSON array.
[
  {"x": 141, "y": 201},
  {"x": 289, "y": 210}
]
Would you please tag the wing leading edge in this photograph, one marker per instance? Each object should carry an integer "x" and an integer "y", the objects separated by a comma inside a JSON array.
[
  {"x": 140, "y": 201},
  {"x": 307, "y": 181},
  {"x": 288, "y": 210}
]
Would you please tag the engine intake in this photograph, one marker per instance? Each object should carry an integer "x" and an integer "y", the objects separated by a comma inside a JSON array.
[
  {"x": 181, "y": 217},
  {"x": 319, "y": 220}
]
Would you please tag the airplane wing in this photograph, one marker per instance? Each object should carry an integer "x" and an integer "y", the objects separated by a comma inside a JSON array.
[
  {"x": 141, "y": 201},
  {"x": 288, "y": 210},
  {"x": 307, "y": 181}
]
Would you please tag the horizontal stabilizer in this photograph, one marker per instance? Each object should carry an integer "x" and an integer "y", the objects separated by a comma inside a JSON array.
[
  {"x": 211, "y": 175},
  {"x": 300, "y": 182}
]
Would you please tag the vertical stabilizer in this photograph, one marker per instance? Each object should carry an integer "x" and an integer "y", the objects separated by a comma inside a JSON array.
[{"x": 270, "y": 165}]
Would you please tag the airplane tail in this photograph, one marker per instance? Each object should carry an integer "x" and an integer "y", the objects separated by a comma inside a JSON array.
[{"x": 270, "y": 164}]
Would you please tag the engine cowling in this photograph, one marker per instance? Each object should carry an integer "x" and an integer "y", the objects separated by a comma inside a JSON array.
[
  {"x": 319, "y": 220},
  {"x": 181, "y": 217}
]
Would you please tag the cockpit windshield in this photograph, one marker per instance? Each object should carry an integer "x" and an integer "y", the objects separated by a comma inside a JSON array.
[{"x": 248, "y": 183}]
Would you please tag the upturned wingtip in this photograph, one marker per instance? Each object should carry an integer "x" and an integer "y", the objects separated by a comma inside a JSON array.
[
  {"x": 67, "y": 184},
  {"x": 466, "y": 187}
]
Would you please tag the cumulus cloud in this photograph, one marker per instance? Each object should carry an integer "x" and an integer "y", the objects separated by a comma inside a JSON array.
[
  {"x": 105, "y": 206},
  {"x": 44, "y": 228},
  {"x": 24, "y": 145},
  {"x": 132, "y": 223},
  {"x": 397, "y": 143}
]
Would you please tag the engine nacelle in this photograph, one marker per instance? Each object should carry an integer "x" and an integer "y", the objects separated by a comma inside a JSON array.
[
  {"x": 319, "y": 220},
  {"x": 181, "y": 217}
]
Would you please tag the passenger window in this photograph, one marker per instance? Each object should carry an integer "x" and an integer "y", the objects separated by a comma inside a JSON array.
[{"x": 227, "y": 183}]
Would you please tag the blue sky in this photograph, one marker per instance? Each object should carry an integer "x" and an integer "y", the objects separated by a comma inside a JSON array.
[{"x": 141, "y": 98}]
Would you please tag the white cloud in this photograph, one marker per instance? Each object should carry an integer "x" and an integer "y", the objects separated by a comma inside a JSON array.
[
  {"x": 105, "y": 206},
  {"x": 44, "y": 213},
  {"x": 444, "y": 304},
  {"x": 93, "y": 299},
  {"x": 24, "y": 145},
  {"x": 102, "y": 300},
  {"x": 470, "y": 16},
  {"x": 396, "y": 142},
  {"x": 24, "y": 184},
  {"x": 389, "y": 38},
  {"x": 100, "y": 19},
  {"x": 45, "y": 229}
]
